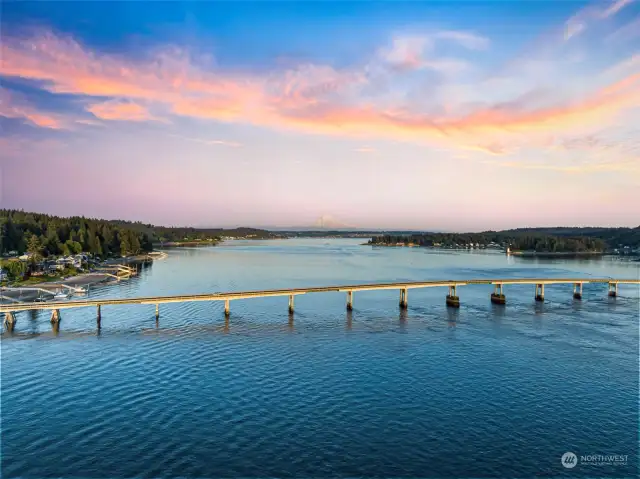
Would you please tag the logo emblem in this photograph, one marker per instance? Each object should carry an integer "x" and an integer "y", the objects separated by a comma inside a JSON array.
[{"x": 569, "y": 460}]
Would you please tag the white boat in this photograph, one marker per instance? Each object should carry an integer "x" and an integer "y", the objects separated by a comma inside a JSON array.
[{"x": 60, "y": 295}]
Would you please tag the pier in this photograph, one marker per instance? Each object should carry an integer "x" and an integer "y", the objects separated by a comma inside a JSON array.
[{"x": 451, "y": 300}]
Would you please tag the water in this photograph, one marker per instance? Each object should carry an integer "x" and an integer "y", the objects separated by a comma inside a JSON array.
[{"x": 430, "y": 392}]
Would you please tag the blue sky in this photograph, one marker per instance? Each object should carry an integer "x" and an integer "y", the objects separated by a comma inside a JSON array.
[{"x": 376, "y": 114}]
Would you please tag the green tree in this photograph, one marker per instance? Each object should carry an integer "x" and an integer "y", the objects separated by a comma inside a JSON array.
[
  {"x": 34, "y": 246},
  {"x": 14, "y": 269},
  {"x": 125, "y": 246}
]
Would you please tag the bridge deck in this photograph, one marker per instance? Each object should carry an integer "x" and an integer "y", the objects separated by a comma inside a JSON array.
[{"x": 228, "y": 296}]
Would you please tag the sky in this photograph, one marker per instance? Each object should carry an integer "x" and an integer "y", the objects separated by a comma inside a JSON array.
[{"x": 431, "y": 115}]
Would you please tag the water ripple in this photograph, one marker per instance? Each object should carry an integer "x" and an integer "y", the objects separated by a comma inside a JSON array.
[{"x": 373, "y": 393}]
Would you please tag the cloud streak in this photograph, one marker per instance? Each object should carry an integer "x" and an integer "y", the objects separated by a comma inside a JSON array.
[{"x": 232, "y": 144}]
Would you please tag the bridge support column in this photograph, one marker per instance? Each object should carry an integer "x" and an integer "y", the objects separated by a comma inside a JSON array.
[
  {"x": 55, "y": 316},
  {"x": 452, "y": 298},
  {"x": 157, "y": 311},
  {"x": 404, "y": 302},
  {"x": 349, "y": 300},
  {"x": 539, "y": 292},
  {"x": 613, "y": 289},
  {"x": 498, "y": 297},
  {"x": 291, "y": 303},
  {"x": 98, "y": 315},
  {"x": 9, "y": 321},
  {"x": 227, "y": 310},
  {"x": 577, "y": 293}
]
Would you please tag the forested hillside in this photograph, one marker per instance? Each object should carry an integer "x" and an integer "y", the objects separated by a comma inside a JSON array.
[
  {"x": 548, "y": 240},
  {"x": 46, "y": 235},
  {"x": 614, "y": 237},
  {"x": 53, "y": 235}
]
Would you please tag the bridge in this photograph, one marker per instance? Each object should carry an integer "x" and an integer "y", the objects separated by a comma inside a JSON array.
[{"x": 452, "y": 298}]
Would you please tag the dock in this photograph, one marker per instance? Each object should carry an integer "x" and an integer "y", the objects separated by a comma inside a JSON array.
[{"x": 452, "y": 299}]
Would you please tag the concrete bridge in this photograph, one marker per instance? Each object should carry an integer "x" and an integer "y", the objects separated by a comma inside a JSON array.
[{"x": 452, "y": 299}]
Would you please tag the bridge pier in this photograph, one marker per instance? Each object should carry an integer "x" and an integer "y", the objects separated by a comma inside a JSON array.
[
  {"x": 9, "y": 321},
  {"x": 98, "y": 316},
  {"x": 613, "y": 289},
  {"x": 227, "y": 310},
  {"x": 539, "y": 292},
  {"x": 404, "y": 303},
  {"x": 498, "y": 297},
  {"x": 577, "y": 294},
  {"x": 55, "y": 316},
  {"x": 452, "y": 299},
  {"x": 291, "y": 303},
  {"x": 349, "y": 300}
]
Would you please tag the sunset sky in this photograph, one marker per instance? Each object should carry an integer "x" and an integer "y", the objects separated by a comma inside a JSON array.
[{"x": 418, "y": 115}]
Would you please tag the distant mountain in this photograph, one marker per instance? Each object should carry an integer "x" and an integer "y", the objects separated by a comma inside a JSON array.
[{"x": 329, "y": 222}]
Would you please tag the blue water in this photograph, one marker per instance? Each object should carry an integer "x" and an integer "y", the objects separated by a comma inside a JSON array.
[{"x": 483, "y": 391}]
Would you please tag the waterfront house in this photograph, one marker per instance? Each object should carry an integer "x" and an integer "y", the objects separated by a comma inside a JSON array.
[{"x": 54, "y": 268}]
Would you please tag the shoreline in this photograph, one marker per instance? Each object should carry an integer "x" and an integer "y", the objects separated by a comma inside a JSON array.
[
  {"x": 33, "y": 289},
  {"x": 557, "y": 254},
  {"x": 187, "y": 244},
  {"x": 519, "y": 253}
]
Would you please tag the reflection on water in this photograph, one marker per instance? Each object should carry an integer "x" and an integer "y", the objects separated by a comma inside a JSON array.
[
  {"x": 453, "y": 314},
  {"x": 429, "y": 391}
]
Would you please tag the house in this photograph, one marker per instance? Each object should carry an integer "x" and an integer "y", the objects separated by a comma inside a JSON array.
[
  {"x": 54, "y": 268},
  {"x": 3, "y": 275}
]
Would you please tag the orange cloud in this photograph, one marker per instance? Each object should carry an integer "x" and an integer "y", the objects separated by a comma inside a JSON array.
[
  {"x": 310, "y": 98},
  {"x": 119, "y": 110}
]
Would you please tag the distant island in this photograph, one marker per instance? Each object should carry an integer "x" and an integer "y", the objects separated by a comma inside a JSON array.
[{"x": 526, "y": 241}]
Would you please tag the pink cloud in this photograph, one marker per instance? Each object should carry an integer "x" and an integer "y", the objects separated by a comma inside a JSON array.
[
  {"x": 321, "y": 99},
  {"x": 120, "y": 110}
]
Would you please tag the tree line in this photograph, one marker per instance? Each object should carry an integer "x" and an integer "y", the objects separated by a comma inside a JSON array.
[
  {"x": 46, "y": 235},
  {"x": 516, "y": 241}
]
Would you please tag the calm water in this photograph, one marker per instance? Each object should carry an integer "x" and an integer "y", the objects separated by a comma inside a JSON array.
[{"x": 483, "y": 391}]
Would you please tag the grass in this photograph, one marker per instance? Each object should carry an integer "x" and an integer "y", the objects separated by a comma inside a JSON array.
[{"x": 47, "y": 278}]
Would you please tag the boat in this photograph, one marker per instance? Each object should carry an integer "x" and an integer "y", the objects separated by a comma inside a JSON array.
[{"x": 60, "y": 295}]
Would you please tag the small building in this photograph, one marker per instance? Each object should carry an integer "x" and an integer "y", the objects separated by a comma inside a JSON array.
[
  {"x": 54, "y": 268},
  {"x": 4, "y": 276}
]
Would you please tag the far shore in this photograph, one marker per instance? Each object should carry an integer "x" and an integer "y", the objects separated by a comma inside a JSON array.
[
  {"x": 178, "y": 244},
  {"x": 558, "y": 254},
  {"x": 519, "y": 253}
]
